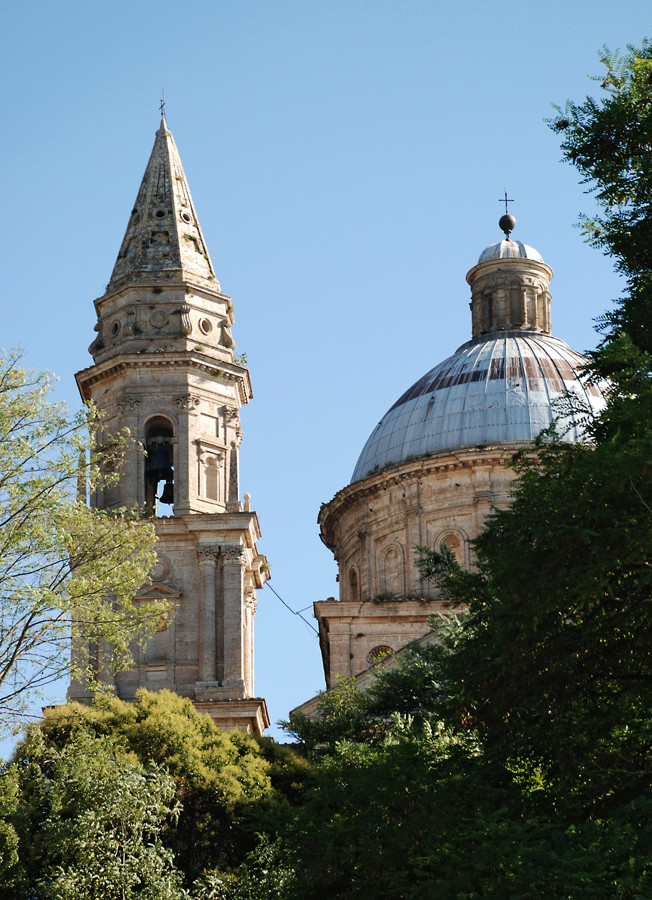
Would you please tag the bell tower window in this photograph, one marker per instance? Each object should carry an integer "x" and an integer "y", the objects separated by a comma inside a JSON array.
[{"x": 159, "y": 468}]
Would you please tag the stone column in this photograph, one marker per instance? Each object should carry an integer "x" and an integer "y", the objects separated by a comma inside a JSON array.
[
  {"x": 529, "y": 309},
  {"x": 249, "y": 615},
  {"x": 367, "y": 580},
  {"x": 233, "y": 439},
  {"x": 233, "y": 559},
  {"x": 132, "y": 476},
  {"x": 183, "y": 477},
  {"x": 501, "y": 306},
  {"x": 207, "y": 625}
]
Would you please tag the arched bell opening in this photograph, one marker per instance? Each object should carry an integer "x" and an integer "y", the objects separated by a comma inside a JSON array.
[{"x": 159, "y": 467}]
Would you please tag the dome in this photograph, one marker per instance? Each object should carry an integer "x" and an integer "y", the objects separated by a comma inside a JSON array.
[
  {"x": 509, "y": 250},
  {"x": 497, "y": 390}
]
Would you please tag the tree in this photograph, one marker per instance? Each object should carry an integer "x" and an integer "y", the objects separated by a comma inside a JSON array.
[
  {"x": 231, "y": 793},
  {"x": 62, "y": 564},
  {"x": 411, "y": 687},
  {"x": 100, "y": 814},
  {"x": 555, "y": 664},
  {"x": 608, "y": 141},
  {"x": 408, "y": 803}
]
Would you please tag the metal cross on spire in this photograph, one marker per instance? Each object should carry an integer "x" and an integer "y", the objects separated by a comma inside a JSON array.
[
  {"x": 505, "y": 200},
  {"x": 162, "y": 104}
]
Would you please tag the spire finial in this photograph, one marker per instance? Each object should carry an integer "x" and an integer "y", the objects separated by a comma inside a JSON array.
[
  {"x": 162, "y": 103},
  {"x": 505, "y": 200},
  {"x": 506, "y": 223}
]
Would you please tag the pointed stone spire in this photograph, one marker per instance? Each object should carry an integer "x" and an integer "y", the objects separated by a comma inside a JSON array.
[{"x": 163, "y": 237}]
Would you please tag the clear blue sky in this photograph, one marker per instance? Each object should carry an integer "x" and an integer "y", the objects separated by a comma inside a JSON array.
[{"x": 346, "y": 159}]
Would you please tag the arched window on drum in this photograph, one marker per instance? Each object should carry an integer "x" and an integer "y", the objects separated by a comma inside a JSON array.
[
  {"x": 378, "y": 654},
  {"x": 354, "y": 584},
  {"x": 453, "y": 541},
  {"x": 392, "y": 580}
]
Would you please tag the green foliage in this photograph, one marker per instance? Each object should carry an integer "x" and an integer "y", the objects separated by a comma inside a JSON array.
[
  {"x": 264, "y": 876},
  {"x": 420, "y": 808},
  {"x": 227, "y": 788},
  {"x": 220, "y": 775},
  {"x": 62, "y": 565},
  {"x": 94, "y": 815},
  {"x": 555, "y": 661},
  {"x": 425, "y": 813},
  {"x": 343, "y": 715},
  {"x": 9, "y": 841},
  {"x": 409, "y": 686},
  {"x": 608, "y": 141}
]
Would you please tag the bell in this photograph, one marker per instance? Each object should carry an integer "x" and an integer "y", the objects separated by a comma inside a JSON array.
[
  {"x": 158, "y": 462},
  {"x": 168, "y": 493}
]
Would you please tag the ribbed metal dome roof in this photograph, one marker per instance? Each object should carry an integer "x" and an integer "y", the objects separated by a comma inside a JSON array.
[
  {"x": 495, "y": 390},
  {"x": 510, "y": 250}
]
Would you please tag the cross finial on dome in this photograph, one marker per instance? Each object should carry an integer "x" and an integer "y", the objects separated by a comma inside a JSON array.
[
  {"x": 506, "y": 200},
  {"x": 506, "y": 223}
]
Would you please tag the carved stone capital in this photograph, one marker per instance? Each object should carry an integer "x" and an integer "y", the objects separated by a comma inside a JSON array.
[
  {"x": 207, "y": 453},
  {"x": 231, "y": 414},
  {"x": 129, "y": 404},
  {"x": 250, "y": 599},
  {"x": 233, "y": 554},
  {"x": 187, "y": 401},
  {"x": 208, "y": 554}
]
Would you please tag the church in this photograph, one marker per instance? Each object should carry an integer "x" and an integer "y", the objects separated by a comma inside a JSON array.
[
  {"x": 437, "y": 462},
  {"x": 434, "y": 467}
]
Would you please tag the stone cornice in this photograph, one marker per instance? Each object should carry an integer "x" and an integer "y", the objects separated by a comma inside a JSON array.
[
  {"x": 510, "y": 264},
  {"x": 204, "y": 288},
  {"x": 219, "y": 527},
  {"x": 355, "y": 609},
  {"x": 405, "y": 473},
  {"x": 108, "y": 369},
  {"x": 251, "y": 712}
]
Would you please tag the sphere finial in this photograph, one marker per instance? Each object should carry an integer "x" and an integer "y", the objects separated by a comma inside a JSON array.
[{"x": 507, "y": 223}]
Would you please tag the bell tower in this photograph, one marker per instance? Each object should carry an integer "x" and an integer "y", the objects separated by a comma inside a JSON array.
[{"x": 164, "y": 368}]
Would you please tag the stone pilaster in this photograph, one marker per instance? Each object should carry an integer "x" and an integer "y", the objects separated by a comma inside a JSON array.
[
  {"x": 366, "y": 567},
  {"x": 133, "y": 465},
  {"x": 250, "y": 603},
  {"x": 233, "y": 562},
  {"x": 207, "y": 638},
  {"x": 183, "y": 477}
]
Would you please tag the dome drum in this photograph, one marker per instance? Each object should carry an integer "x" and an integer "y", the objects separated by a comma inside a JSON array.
[{"x": 508, "y": 296}]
